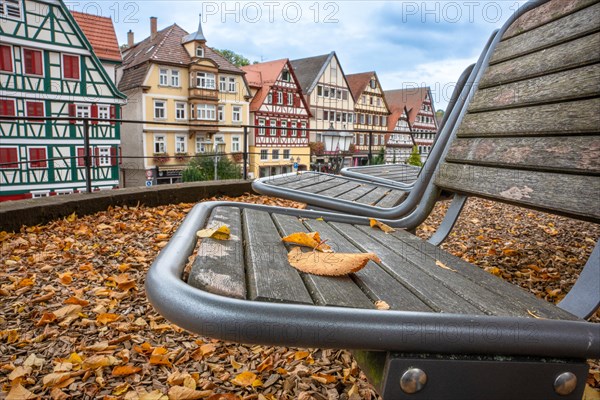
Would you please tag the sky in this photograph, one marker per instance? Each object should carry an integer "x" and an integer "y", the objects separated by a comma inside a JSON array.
[{"x": 408, "y": 43}]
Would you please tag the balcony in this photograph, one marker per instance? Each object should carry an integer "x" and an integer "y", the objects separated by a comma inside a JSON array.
[{"x": 211, "y": 95}]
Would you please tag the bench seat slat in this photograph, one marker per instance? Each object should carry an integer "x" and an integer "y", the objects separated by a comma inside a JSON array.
[
  {"x": 374, "y": 196},
  {"x": 574, "y": 154},
  {"x": 269, "y": 275},
  {"x": 300, "y": 181},
  {"x": 546, "y": 119},
  {"x": 580, "y": 52},
  {"x": 394, "y": 198},
  {"x": 562, "y": 193},
  {"x": 340, "y": 189},
  {"x": 557, "y": 87},
  {"x": 562, "y": 30},
  {"x": 358, "y": 192},
  {"x": 322, "y": 186}
]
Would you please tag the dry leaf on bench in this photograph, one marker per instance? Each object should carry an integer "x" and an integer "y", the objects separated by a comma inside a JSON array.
[
  {"x": 382, "y": 305},
  {"x": 331, "y": 264},
  {"x": 310, "y": 239},
  {"x": 444, "y": 266},
  {"x": 220, "y": 233},
  {"x": 378, "y": 224}
]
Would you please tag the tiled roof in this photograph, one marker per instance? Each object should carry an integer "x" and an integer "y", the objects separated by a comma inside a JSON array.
[
  {"x": 165, "y": 47},
  {"x": 308, "y": 70},
  {"x": 397, "y": 100},
  {"x": 100, "y": 32},
  {"x": 358, "y": 83},
  {"x": 263, "y": 75}
]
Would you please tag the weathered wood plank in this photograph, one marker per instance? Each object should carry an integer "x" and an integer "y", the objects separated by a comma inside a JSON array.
[
  {"x": 325, "y": 290},
  {"x": 575, "y": 154},
  {"x": 506, "y": 291},
  {"x": 549, "y": 119},
  {"x": 580, "y": 52},
  {"x": 270, "y": 277},
  {"x": 373, "y": 280},
  {"x": 572, "y": 26},
  {"x": 545, "y": 13},
  {"x": 300, "y": 181},
  {"x": 322, "y": 186},
  {"x": 374, "y": 196},
  {"x": 394, "y": 198},
  {"x": 562, "y": 193},
  {"x": 561, "y": 86},
  {"x": 430, "y": 290},
  {"x": 341, "y": 189},
  {"x": 219, "y": 264},
  {"x": 357, "y": 193}
]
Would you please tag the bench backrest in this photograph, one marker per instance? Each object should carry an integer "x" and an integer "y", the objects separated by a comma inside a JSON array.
[{"x": 531, "y": 133}]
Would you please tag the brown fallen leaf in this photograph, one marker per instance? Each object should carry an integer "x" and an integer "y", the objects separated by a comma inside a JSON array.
[
  {"x": 220, "y": 233},
  {"x": 244, "y": 379},
  {"x": 224, "y": 396},
  {"x": 18, "y": 392},
  {"x": 124, "y": 370},
  {"x": 444, "y": 266},
  {"x": 106, "y": 318},
  {"x": 185, "y": 393},
  {"x": 310, "y": 239},
  {"x": 19, "y": 373},
  {"x": 331, "y": 264},
  {"x": 382, "y": 305},
  {"x": 55, "y": 378},
  {"x": 378, "y": 224}
]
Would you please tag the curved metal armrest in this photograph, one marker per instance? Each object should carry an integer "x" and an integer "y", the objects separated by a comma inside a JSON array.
[{"x": 584, "y": 298}]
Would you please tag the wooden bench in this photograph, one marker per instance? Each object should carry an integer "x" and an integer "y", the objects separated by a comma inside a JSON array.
[
  {"x": 388, "y": 173},
  {"x": 527, "y": 139}
]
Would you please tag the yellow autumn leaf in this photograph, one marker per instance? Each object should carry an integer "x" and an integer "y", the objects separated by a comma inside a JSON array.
[
  {"x": 99, "y": 361},
  {"x": 72, "y": 218},
  {"x": 185, "y": 393},
  {"x": 378, "y": 224},
  {"x": 106, "y": 318},
  {"x": 121, "y": 389},
  {"x": 323, "y": 378},
  {"x": 308, "y": 239},
  {"x": 444, "y": 266},
  {"x": 331, "y": 264},
  {"x": 159, "y": 356},
  {"x": 300, "y": 355},
  {"x": 220, "y": 233},
  {"x": 75, "y": 358},
  {"x": 244, "y": 379},
  {"x": 124, "y": 370}
]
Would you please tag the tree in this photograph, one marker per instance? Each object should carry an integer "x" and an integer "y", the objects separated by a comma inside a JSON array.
[
  {"x": 379, "y": 158},
  {"x": 202, "y": 168},
  {"x": 415, "y": 158},
  {"x": 439, "y": 116},
  {"x": 236, "y": 59}
]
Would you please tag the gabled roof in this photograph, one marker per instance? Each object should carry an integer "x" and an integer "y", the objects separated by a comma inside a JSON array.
[
  {"x": 166, "y": 47},
  {"x": 358, "y": 82},
  {"x": 309, "y": 70},
  {"x": 398, "y": 100},
  {"x": 100, "y": 32},
  {"x": 263, "y": 76}
]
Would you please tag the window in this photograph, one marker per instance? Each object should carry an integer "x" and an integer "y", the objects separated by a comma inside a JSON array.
[
  {"x": 160, "y": 144},
  {"x": 364, "y": 99},
  {"x": 160, "y": 109},
  {"x": 325, "y": 115},
  {"x": 285, "y": 76},
  {"x": 82, "y": 111},
  {"x": 261, "y": 123},
  {"x": 284, "y": 130},
  {"x": 369, "y": 119},
  {"x": 279, "y": 97},
  {"x": 40, "y": 194},
  {"x": 236, "y": 115},
  {"x": 273, "y": 124},
  {"x": 361, "y": 140},
  {"x": 199, "y": 51},
  {"x": 319, "y": 90},
  {"x": 221, "y": 113},
  {"x": 180, "y": 110},
  {"x": 290, "y": 99},
  {"x": 269, "y": 98},
  {"x": 163, "y": 77},
  {"x": 232, "y": 85},
  {"x": 63, "y": 192},
  {"x": 345, "y": 95},
  {"x": 7, "y": 107},
  {"x": 264, "y": 155},
  {"x": 222, "y": 84},
  {"x": 104, "y": 159},
  {"x": 376, "y": 120},
  {"x": 104, "y": 112},
  {"x": 205, "y": 80},
  {"x": 35, "y": 109},
  {"x": 37, "y": 157},
  {"x": 207, "y": 112},
  {"x": 373, "y": 84},
  {"x": 174, "y": 78},
  {"x": 235, "y": 144},
  {"x": 70, "y": 67},
  {"x": 350, "y": 117},
  {"x": 33, "y": 62},
  {"x": 303, "y": 126},
  {"x": 370, "y": 100},
  {"x": 325, "y": 91},
  {"x": 384, "y": 121},
  {"x": 10, "y": 9},
  {"x": 338, "y": 117},
  {"x": 275, "y": 155},
  {"x": 332, "y": 93},
  {"x": 180, "y": 144},
  {"x": 9, "y": 158},
  {"x": 6, "y": 63},
  {"x": 379, "y": 101},
  {"x": 286, "y": 154},
  {"x": 339, "y": 94},
  {"x": 294, "y": 126},
  {"x": 200, "y": 144}
]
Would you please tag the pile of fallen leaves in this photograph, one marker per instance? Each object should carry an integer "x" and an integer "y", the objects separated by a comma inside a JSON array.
[{"x": 75, "y": 322}]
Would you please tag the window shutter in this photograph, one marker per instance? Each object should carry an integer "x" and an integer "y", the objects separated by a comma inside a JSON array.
[
  {"x": 96, "y": 156},
  {"x": 120, "y": 156},
  {"x": 94, "y": 113},
  {"x": 80, "y": 157},
  {"x": 72, "y": 113},
  {"x": 113, "y": 114},
  {"x": 67, "y": 69},
  {"x": 113, "y": 156},
  {"x": 37, "y": 65},
  {"x": 8, "y": 155},
  {"x": 5, "y": 58}
]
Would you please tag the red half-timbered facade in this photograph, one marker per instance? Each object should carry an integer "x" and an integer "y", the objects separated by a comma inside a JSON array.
[{"x": 279, "y": 143}]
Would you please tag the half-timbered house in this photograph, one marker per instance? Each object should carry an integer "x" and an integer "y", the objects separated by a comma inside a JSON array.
[
  {"x": 48, "y": 69},
  {"x": 282, "y": 115},
  {"x": 371, "y": 113}
]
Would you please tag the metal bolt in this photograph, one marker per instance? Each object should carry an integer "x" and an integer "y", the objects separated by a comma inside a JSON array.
[
  {"x": 413, "y": 380},
  {"x": 565, "y": 383}
]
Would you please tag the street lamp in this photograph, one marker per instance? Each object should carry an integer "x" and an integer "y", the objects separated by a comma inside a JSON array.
[
  {"x": 218, "y": 147},
  {"x": 337, "y": 142}
]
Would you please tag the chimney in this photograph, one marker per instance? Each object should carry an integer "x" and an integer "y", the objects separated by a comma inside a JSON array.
[
  {"x": 130, "y": 40},
  {"x": 153, "y": 26}
]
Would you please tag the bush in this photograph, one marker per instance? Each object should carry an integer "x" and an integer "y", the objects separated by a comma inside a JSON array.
[
  {"x": 415, "y": 158},
  {"x": 202, "y": 168}
]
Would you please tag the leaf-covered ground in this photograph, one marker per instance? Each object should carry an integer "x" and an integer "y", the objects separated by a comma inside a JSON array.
[{"x": 75, "y": 323}]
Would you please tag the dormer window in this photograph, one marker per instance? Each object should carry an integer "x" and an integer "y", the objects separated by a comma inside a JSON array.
[
  {"x": 285, "y": 76},
  {"x": 199, "y": 51}
]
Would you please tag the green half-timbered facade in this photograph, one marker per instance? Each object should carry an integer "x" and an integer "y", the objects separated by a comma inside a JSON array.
[{"x": 48, "y": 69}]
